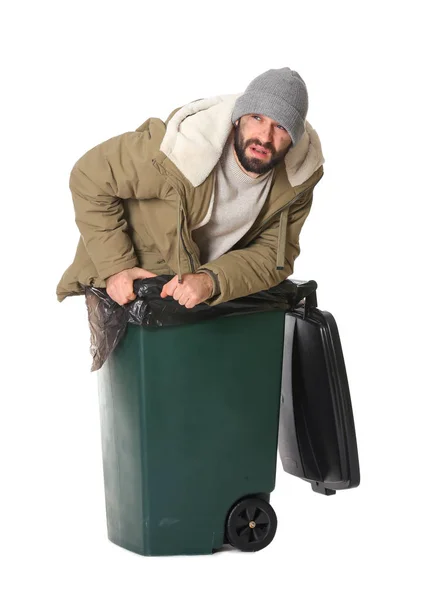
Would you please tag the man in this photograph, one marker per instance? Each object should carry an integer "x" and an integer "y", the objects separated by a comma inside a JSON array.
[{"x": 216, "y": 196}]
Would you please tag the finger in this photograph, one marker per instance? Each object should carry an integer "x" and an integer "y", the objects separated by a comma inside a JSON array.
[
  {"x": 178, "y": 293},
  {"x": 170, "y": 286},
  {"x": 183, "y": 299},
  {"x": 128, "y": 299},
  {"x": 117, "y": 297},
  {"x": 191, "y": 303},
  {"x": 164, "y": 293}
]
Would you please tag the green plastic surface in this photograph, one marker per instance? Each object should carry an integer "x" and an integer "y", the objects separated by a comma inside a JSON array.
[{"x": 189, "y": 420}]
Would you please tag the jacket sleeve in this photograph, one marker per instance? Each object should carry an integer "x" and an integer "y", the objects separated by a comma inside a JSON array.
[
  {"x": 253, "y": 269},
  {"x": 119, "y": 168}
]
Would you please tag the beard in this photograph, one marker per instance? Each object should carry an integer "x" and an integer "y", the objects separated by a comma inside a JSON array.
[{"x": 252, "y": 164}]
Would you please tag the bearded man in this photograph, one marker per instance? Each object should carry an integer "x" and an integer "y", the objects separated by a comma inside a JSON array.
[{"x": 216, "y": 196}]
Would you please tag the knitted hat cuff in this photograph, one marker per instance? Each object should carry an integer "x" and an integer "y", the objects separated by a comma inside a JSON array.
[
  {"x": 274, "y": 108},
  {"x": 281, "y": 95}
]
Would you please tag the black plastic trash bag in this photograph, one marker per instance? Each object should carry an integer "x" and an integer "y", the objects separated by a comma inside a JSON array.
[{"x": 108, "y": 320}]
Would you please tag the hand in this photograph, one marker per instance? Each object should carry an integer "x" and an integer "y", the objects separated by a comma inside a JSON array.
[
  {"x": 194, "y": 289},
  {"x": 120, "y": 286}
]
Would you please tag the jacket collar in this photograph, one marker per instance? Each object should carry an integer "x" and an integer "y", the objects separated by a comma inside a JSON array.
[{"x": 196, "y": 135}]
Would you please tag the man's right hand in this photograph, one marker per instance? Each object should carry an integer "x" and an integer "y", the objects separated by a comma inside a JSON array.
[{"x": 120, "y": 286}]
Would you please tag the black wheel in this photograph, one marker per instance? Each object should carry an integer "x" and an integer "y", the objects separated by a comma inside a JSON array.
[{"x": 251, "y": 524}]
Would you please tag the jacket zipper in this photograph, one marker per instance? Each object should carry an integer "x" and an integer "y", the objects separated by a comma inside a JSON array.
[
  {"x": 170, "y": 178},
  {"x": 191, "y": 262}
]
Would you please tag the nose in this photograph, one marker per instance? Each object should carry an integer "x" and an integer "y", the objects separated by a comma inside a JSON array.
[{"x": 266, "y": 133}]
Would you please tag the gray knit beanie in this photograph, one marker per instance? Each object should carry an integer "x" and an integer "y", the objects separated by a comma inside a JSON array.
[{"x": 281, "y": 95}]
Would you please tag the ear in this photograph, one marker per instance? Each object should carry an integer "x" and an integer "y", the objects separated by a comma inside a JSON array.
[{"x": 236, "y": 123}]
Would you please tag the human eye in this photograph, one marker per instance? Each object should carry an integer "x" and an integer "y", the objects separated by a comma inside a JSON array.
[
  {"x": 281, "y": 127},
  {"x": 256, "y": 117}
]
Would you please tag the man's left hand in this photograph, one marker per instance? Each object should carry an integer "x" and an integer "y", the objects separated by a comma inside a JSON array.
[{"x": 194, "y": 289}]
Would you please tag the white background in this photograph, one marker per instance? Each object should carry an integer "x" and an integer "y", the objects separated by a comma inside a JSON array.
[{"x": 77, "y": 73}]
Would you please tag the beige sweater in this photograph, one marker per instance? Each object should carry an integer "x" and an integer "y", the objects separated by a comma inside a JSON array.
[{"x": 235, "y": 204}]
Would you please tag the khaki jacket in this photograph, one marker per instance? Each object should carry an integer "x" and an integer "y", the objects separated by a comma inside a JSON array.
[{"x": 139, "y": 195}]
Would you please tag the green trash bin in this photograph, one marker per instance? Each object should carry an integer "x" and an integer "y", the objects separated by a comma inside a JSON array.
[{"x": 189, "y": 422}]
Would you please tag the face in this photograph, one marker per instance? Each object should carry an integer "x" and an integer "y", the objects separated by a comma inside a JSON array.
[{"x": 260, "y": 143}]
